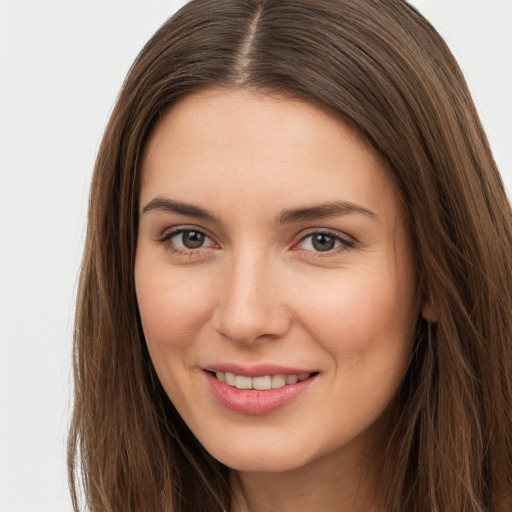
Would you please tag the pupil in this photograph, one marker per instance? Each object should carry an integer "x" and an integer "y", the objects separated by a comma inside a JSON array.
[
  {"x": 323, "y": 242},
  {"x": 192, "y": 239}
]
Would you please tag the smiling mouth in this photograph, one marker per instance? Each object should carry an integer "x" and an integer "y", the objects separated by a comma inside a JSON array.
[{"x": 262, "y": 383}]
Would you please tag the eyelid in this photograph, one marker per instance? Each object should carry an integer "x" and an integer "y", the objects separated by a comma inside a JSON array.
[{"x": 179, "y": 228}]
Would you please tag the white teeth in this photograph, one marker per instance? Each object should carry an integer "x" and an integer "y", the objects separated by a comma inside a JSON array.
[
  {"x": 278, "y": 381},
  {"x": 291, "y": 379},
  {"x": 242, "y": 382},
  {"x": 262, "y": 383}
]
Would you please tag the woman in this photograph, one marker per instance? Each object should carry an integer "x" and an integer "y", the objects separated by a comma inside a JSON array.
[{"x": 297, "y": 280}]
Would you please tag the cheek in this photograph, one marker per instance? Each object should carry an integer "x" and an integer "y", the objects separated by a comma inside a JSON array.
[
  {"x": 367, "y": 329},
  {"x": 172, "y": 306},
  {"x": 362, "y": 317}
]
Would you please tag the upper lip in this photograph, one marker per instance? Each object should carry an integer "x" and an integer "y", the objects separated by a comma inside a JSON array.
[{"x": 258, "y": 369}]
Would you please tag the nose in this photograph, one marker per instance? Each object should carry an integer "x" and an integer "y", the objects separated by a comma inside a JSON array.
[{"x": 251, "y": 306}]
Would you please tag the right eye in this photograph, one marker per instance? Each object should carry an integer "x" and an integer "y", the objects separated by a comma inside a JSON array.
[{"x": 186, "y": 240}]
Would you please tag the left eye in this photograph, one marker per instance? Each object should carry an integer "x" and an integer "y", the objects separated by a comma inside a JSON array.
[
  {"x": 323, "y": 242},
  {"x": 189, "y": 239}
]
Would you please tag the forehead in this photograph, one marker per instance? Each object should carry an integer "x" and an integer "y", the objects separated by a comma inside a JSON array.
[{"x": 260, "y": 146}]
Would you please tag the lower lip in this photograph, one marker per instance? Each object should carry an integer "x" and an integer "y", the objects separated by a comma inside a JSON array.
[{"x": 253, "y": 402}]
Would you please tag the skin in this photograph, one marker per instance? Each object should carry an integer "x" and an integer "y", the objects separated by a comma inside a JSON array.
[{"x": 258, "y": 291}]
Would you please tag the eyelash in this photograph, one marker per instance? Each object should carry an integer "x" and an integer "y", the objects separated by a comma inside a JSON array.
[
  {"x": 344, "y": 243},
  {"x": 166, "y": 240}
]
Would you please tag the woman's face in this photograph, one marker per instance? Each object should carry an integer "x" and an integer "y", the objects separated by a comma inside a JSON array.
[{"x": 273, "y": 255}]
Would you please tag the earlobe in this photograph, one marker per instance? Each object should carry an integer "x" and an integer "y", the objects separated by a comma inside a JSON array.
[{"x": 428, "y": 312}]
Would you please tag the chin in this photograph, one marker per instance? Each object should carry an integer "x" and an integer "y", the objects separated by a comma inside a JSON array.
[
  {"x": 261, "y": 463},
  {"x": 258, "y": 455}
]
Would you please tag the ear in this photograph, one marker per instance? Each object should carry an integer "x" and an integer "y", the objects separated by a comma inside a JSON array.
[{"x": 428, "y": 312}]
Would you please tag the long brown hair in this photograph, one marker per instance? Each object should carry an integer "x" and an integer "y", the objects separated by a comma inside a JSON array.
[{"x": 382, "y": 69}]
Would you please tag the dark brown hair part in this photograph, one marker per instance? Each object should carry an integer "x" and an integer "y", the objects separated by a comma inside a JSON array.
[{"x": 382, "y": 69}]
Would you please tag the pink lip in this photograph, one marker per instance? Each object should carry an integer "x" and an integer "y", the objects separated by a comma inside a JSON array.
[{"x": 253, "y": 402}]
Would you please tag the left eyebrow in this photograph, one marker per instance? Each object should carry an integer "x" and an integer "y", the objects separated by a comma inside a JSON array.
[{"x": 322, "y": 211}]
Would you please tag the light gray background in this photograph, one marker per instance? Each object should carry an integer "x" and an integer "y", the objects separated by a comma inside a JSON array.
[{"x": 61, "y": 66}]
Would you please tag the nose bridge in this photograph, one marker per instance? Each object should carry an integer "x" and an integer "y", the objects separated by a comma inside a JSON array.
[{"x": 251, "y": 306}]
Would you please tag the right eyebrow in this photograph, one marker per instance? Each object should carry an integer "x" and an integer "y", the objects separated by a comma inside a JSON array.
[{"x": 171, "y": 206}]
